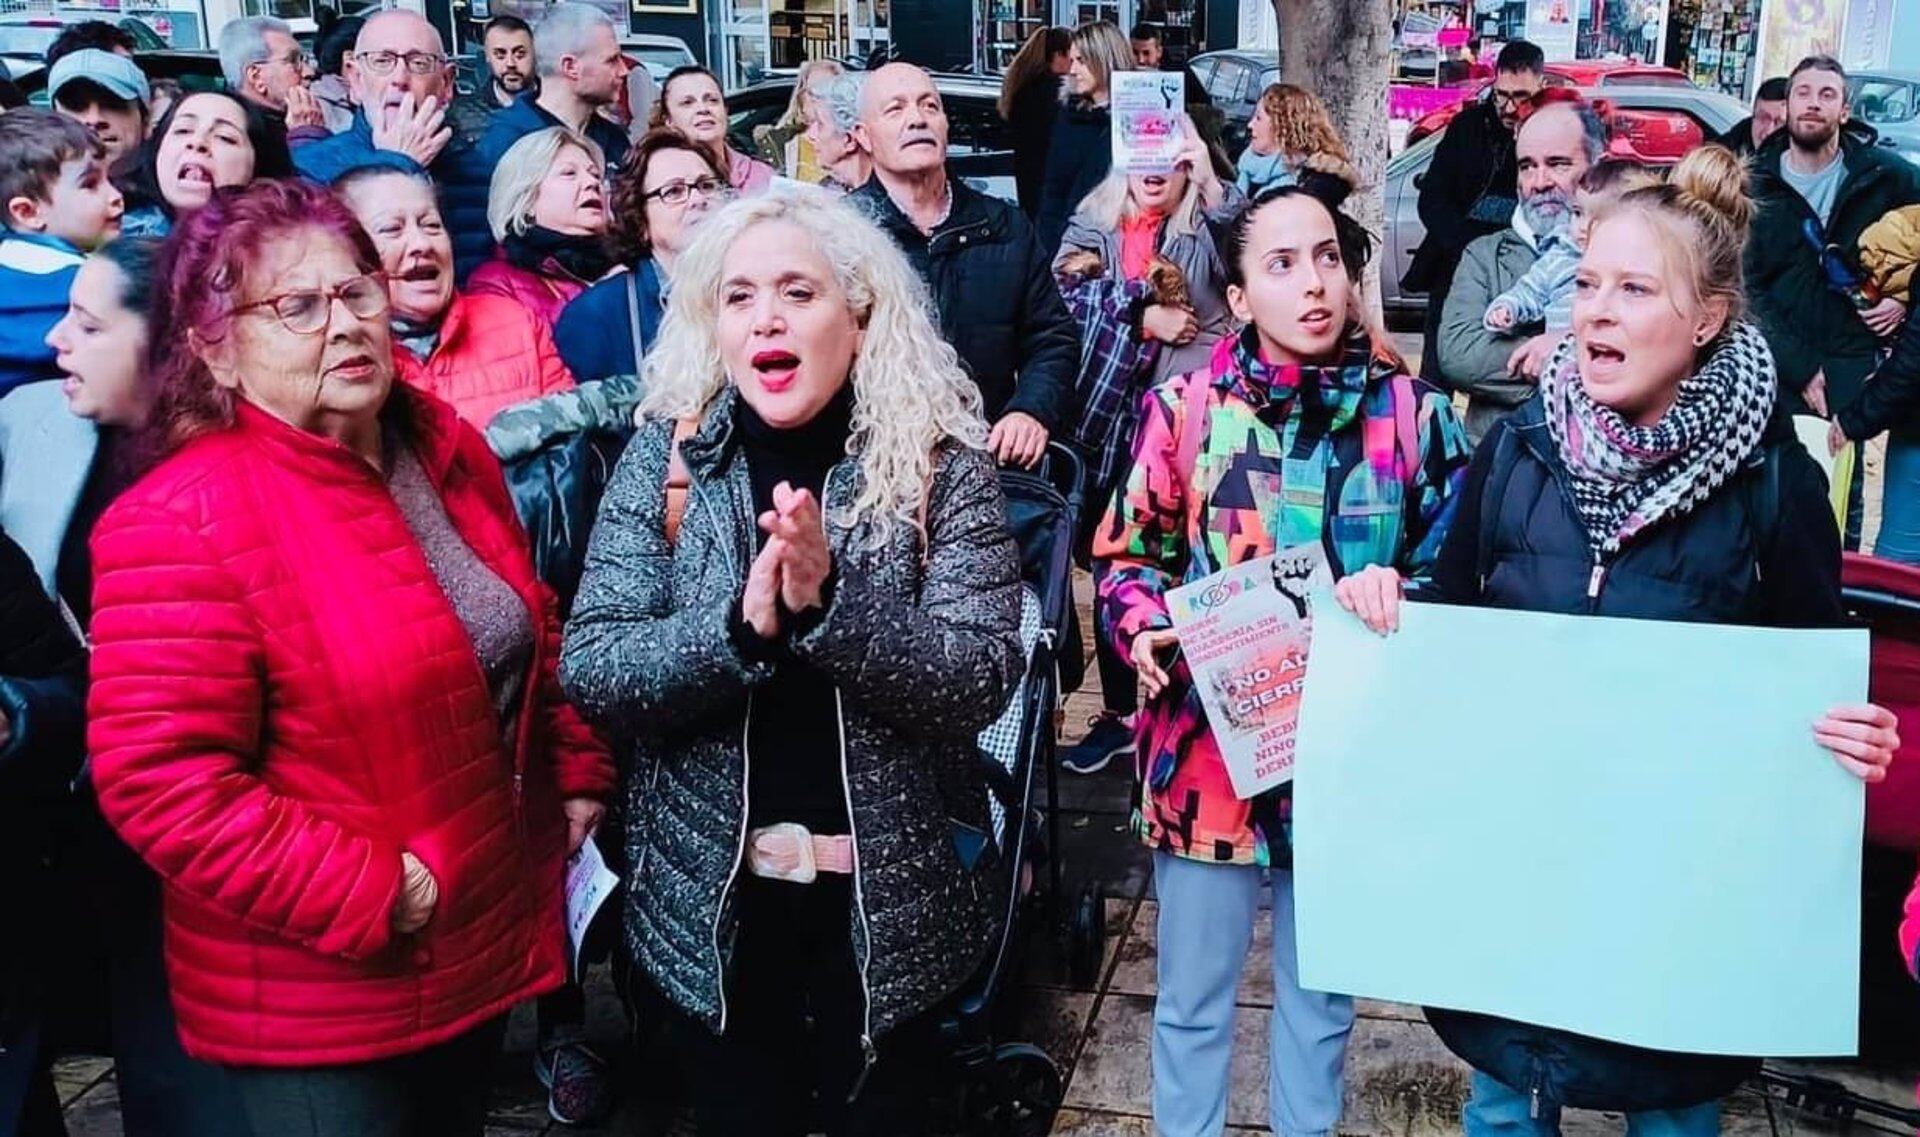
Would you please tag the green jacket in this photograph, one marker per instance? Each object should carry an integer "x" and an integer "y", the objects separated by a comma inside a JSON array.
[
  {"x": 1473, "y": 360},
  {"x": 1809, "y": 324}
]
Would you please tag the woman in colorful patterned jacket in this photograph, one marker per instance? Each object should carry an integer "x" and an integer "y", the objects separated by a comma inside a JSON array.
[{"x": 1305, "y": 432}]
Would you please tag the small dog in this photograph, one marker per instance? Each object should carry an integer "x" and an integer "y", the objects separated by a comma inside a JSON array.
[{"x": 1169, "y": 284}]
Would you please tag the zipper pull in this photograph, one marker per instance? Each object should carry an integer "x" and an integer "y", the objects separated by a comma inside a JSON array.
[
  {"x": 868, "y": 1056},
  {"x": 1533, "y": 1106},
  {"x": 1594, "y": 582}
]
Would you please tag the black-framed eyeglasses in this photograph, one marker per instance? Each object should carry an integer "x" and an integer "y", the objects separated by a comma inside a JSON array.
[
  {"x": 677, "y": 193},
  {"x": 418, "y": 62},
  {"x": 306, "y": 312},
  {"x": 1511, "y": 98}
]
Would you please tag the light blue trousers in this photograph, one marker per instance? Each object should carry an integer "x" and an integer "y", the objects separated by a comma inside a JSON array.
[{"x": 1206, "y": 925}]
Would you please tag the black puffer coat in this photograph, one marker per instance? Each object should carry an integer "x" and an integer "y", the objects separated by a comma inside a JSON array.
[
  {"x": 922, "y": 658},
  {"x": 1762, "y": 550}
]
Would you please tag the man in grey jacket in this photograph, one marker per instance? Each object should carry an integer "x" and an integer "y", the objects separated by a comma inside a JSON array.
[{"x": 1498, "y": 369}]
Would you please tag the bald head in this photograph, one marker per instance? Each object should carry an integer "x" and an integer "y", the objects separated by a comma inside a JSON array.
[
  {"x": 1555, "y": 146},
  {"x": 398, "y": 53},
  {"x": 903, "y": 123}
]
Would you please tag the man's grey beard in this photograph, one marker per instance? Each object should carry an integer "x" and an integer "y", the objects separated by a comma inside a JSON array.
[{"x": 1548, "y": 212}]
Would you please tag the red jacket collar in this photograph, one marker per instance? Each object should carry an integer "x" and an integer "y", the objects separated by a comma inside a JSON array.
[{"x": 428, "y": 424}]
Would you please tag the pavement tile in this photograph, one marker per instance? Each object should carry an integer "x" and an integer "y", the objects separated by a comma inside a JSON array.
[
  {"x": 75, "y": 1076},
  {"x": 95, "y": 1113}
]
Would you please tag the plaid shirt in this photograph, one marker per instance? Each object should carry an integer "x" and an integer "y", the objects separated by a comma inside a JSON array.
[{"x": 1115, "y": 366}]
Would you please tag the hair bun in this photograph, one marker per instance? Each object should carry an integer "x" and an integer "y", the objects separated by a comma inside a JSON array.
[{"x": 1713, "y": 178}]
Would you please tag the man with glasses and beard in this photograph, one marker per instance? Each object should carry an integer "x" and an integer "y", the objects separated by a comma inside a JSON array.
[
  {"x": 1816, "y": 186},
  {"x": 1468, "y": 189},
  {"x": 1498, "y": 369}
]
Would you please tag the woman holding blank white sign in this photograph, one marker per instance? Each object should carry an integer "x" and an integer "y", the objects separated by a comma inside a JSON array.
[
  {"x": 1647, "y": 479},
  {"x": 1300, "y": 431}
]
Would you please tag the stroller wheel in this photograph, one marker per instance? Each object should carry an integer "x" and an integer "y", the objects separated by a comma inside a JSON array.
[
  {"x": 1023, "y": 1094},
  {"x": 1087, "y": 937}
]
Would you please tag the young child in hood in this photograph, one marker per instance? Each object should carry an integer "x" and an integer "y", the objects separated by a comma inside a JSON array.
[
  {"x": 56, "y": 205},
  {"x": 1545, "y": 293},
  {"x": 1889, "y": 250}
]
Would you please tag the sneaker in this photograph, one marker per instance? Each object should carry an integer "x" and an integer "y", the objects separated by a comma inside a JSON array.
[
  {"x": 1109, "y": 737},
  {"x": 578, "y": 1092}
]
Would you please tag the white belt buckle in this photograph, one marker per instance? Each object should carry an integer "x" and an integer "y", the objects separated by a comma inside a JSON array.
[{"x": 762, "y": 864}]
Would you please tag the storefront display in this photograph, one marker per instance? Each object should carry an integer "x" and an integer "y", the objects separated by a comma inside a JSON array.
[{"x": 1720, "y": 55}]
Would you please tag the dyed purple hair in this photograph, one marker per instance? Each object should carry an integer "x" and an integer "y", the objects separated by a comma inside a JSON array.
[{"x": 203, "y": 273}]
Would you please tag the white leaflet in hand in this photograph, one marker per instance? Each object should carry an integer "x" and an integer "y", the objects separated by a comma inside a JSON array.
[
  {"x": 1148, "y": 120},
  {"x": 589, "y": 883},
  {"x": 1244, "y": 633}
]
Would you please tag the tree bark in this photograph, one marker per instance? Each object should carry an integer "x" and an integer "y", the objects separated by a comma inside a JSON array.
[{"x": 1340, "y": 50}]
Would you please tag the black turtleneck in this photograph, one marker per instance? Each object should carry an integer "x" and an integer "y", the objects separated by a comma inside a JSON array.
[{"x": 793, "y": 769}]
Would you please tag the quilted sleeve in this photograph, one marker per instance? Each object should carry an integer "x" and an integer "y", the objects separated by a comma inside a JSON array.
[
  {"x": 1140, "y": 547},
  {"x": 942, "y": 667},
  {"x": 177, "y": 714},
  {"x": 637, "y": 658}
]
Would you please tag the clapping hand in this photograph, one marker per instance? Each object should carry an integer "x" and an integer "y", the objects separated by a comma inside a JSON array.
[{"x": 796, "y": 526}]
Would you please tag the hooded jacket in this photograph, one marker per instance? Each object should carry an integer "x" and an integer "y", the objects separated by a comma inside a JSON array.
[
  {"x": 922, "y": 654},
  {"x": 36, "y": 273}
]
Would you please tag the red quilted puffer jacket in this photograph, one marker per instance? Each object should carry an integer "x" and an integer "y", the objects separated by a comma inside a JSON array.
[
  {"x": 492, "y": 354},
  {"x": 283, "y": 700},
  {"x": 544, "y": 295}
]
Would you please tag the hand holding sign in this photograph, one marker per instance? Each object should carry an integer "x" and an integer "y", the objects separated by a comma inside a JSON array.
[{"x": 1148, "y": 121}]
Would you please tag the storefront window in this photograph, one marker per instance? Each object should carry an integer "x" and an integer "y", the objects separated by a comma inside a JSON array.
[{"x": 284, "y": 9}]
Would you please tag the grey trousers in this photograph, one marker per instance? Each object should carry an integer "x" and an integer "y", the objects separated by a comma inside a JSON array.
[{"x": 437, "y": 1092}]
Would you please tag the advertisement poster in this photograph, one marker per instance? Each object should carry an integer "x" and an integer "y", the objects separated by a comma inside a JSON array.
[
  {"x": 1148, "y": 107},
  {"x": 1244, "y": 633},
  {"x": 1551, "y": 26},
  {"x": 1791, "y": 30},
  {"x": 1868, "y": 42}
]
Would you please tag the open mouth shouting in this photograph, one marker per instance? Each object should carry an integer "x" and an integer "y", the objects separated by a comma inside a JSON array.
[{"x": 776, "y": 369}]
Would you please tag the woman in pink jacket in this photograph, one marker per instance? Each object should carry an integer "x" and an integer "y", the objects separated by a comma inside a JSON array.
[{"x": 547, "y": 208}]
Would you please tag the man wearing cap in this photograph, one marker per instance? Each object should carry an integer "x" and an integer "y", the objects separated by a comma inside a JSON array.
[{"x": 105, "y": 92}]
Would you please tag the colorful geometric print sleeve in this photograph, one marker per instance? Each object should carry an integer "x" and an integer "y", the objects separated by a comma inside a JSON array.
[
  {"x": 1140, "y": 547},
  {"x": 1434, "y": 490}
]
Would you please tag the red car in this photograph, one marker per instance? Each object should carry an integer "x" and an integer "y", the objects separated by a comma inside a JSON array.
[{"x": 1600, "y": 73}]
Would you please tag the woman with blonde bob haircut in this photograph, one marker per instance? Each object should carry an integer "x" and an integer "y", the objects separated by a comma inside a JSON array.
[
  {"x": 799, "y": 607},
  {"x": 547, "y": 207}
]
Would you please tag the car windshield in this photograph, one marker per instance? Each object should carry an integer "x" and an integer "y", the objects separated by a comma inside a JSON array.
[
  {"x": 657, "y": 55},
  {"x": 1882, "y": 100},
  {"x": 27, "y": 39}
]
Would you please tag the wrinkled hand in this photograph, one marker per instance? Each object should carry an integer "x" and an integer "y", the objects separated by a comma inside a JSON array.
[
  {"x": 1530, "y": 358},
  {"x": 1885, "y": 317},
  {"x": 1862, "y": 739},
  {"x": 583, "y": 817},
  {"x": 418, "y": 131},
  {"x": 1836, "y": 438},
  {"x": 1169, "y": 324},
  {"x": 419, "y": 894},
  {"x": 1017, "y": 439},
  {"x": 805, "y": 560},
  {"x": 1147, "y": 647},
  {"x": 760, "y": 602},
  {"x": 1500, "y": 316},
  {"x": 1373, "y": 594},
  {"x": 303, "y": 109},
  {"x": 1816, "y": 393}
]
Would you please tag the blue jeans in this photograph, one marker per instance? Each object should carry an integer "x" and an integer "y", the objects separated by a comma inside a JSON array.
[
  {"x": 1900, "y": 503},
  {"x": 1206, "y": 925},
  {"x": 1494, "y": 1110}
]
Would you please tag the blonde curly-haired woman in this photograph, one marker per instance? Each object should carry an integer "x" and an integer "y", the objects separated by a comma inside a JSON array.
[{"x": 798, "y": 648}]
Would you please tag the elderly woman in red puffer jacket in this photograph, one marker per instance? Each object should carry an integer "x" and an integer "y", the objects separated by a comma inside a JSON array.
[{"x": 323, "y": 702}]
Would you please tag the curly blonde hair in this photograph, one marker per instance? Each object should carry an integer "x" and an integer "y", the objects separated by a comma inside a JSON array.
[
  {"x": 910, "y": 393},
  {"x": 1302, "y": 125}
]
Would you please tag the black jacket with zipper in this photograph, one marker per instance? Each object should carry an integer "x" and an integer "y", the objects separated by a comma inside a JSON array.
[
  {"x": 995, "y": 298},
  {"x": 923, "y": 652},
  {"x": 1810, "y": 325},
  {"x": 1518, "y": 542},
  {"x": 1891, "y": 397},
  {"x": 1473, "y": 159}
]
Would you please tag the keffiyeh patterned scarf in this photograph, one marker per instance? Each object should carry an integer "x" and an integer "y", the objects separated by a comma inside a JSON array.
[{"x": 1627, "y": 477}]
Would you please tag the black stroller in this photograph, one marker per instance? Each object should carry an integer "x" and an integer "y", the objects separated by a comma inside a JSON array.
[{"x": 1012, "y": 1089}]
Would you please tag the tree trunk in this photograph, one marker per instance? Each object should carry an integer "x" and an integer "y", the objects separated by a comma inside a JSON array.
[{"x": 1339, "y": 50}]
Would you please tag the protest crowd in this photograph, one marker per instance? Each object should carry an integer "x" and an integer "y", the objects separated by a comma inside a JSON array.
[{"x": 403, "y": 491}]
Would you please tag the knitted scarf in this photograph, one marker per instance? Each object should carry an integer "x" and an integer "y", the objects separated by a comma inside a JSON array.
[{"x": 1627, "y": 477}]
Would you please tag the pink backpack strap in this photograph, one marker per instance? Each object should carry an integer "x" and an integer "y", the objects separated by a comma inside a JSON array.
[
  {"x": 1406, "y": 423},
  {"x": 1193, "y": 426}
]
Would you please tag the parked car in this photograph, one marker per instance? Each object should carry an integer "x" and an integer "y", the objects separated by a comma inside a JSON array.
[
  {"x": 1234, "y": 80},
  {"x": 26, "y": 36},
  {"x": 1889, "y": 101},
  {"x": 1587, "y": 73},
  {"x": 1656, "y": 125},
  {"x": 979, "y": 147},
  {"x": 658, "y": 54}
]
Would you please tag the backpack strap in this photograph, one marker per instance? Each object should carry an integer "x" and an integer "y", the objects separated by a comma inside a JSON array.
[
  {"x": 1763, "y": 504},
  {"x": 1193, "y": 427},
  {"x": 678, "y": 479},
  {"x": 1493, "y": 494}
]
